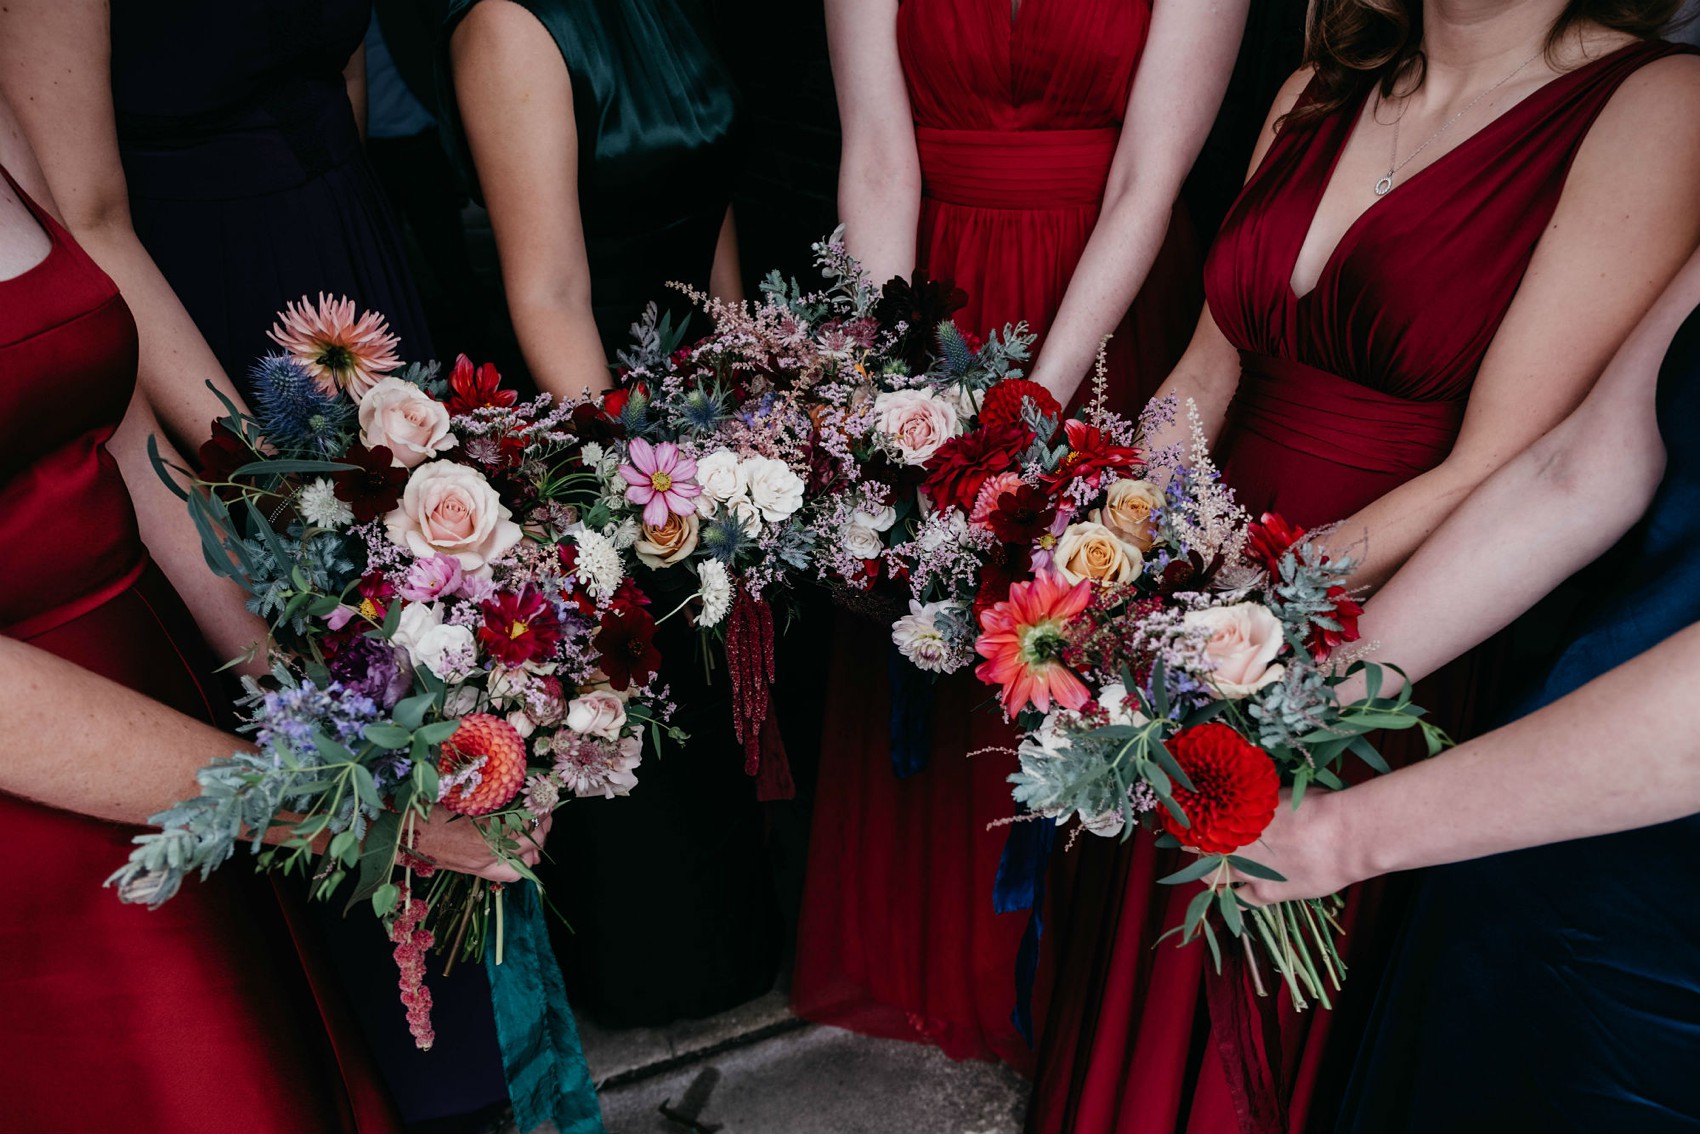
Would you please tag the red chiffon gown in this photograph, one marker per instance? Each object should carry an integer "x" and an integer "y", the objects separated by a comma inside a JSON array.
[
  {"x": 197, "y": 1016},
  {"x": 1346, "y": 393},
  {"x": 1016, "y": 123}
]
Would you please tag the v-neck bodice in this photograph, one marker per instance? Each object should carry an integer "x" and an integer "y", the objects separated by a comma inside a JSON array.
[{"x": 1360, "y": 384}]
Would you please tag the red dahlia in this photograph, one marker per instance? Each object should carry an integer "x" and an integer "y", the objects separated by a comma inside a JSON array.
[
  {"x": 1269, "y": 539},
  {"x": 625, "y": 646},
  {"x": 961, "y": 466},
  {"x": 476, "y": 388},
  {"x": 1235, "y": 789},
  {"x": 1090, "y": 452},
  {"x": 519, "y": 628},
  {"x": 1323, "y": 641},
  {"x": 1022, "y": 515},
  {"x": 1004, "y": 402},
  {"x": 373, "y": 486},
  {"x": 495, "y": 741}
]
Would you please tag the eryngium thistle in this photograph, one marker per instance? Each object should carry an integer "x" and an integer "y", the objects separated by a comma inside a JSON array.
[{"x": 293, "y": 410}]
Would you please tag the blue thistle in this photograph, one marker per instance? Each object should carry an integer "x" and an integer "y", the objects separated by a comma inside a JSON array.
[
  {"x": 725, "y": 540},
  {"x": 953, "y": 348},
  {"x": 701, "y": 410},
  {"x": 294, "y": 413}
]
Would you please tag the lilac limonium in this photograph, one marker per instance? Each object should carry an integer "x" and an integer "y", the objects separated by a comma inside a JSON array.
[{"x": 659, "y": 478}]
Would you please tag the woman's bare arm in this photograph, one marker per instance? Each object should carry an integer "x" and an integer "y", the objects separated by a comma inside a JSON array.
[{"x": 1183, "y": 73}]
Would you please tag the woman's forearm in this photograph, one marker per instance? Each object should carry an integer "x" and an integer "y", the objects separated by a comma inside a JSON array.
[
  {"x": 726, "y": 280},
  {"x": 1620, "y": 753},
  {"x": 879, "y": 202},
  {"x": 561, "y": 344}
]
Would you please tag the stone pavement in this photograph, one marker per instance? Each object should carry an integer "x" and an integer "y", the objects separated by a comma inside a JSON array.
[{"x": 759, "y": 1070}]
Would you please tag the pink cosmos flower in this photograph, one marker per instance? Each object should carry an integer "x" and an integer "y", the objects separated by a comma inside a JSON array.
[
  {"x": 341, "y": 352},
  {"x": 431, "y": 578},
  {"x": 1022, "y": 640},
  {"x": 659, "y": 477}
]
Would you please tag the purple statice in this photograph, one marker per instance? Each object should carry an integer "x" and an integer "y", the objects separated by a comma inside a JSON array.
[
  {"x": 288, "y": 718},
  {"x": 372, "y": 669}
]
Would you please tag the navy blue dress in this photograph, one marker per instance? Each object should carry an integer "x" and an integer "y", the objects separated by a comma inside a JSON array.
[
  {"x": 1558, "y": 988},
  {"x": 247, "y": 182}
]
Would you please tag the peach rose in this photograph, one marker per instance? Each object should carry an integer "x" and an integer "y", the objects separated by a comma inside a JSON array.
[
  {"x": 1129, "y": 507},
  {"x": 671, "y": 542},
  {"x": 1244, "y": 639},
  {"x": 400, "y": 415},
  {"x": 918, "y": 422},
  {"x": 1092, "y": 551},
  {"x": 450, "y": 509}
]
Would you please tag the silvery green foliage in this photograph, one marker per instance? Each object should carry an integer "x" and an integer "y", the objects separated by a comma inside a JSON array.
[
  {"x": 1300, "y": 596},
  {"x": 320, "y": 560},
  {"x": 793, "y": 545},
  {"x": 1003, "y": 355},
  {"x": 1074, "y": 772},
  {"x": 655, "y": 338},
  {"x": 956, "y": 623},
  {"x": 1291, "y": 708}
]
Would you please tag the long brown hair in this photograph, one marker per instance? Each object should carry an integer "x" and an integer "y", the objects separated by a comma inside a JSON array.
[{"x": 1355, "y": 44}]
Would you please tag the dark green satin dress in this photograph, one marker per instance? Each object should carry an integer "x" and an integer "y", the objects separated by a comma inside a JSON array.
[{"x": 668, "y": 892}]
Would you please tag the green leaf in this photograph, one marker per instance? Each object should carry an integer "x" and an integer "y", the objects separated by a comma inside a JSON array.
[
  {"x": 345, "y": 846},
  {"x": 387, "y": 736},
  {"x": 163, "y": 469},
  {"x": 1229, "y": 903},
  {"x": 392, "y": 619},
  {"x": 377, "y": 856},
  {"x": 323, "y": 605},
  {"x": 409, "y": 713},
  {"x": 1255, "y": 869},
  {"x": 1215, "y": 949},
  {"x": 1205, "y": 864},
  {"x": 1159, "y": 688},
  {"x": 368, "y": 789},
  {"x": 1169, "y": 765},
  {"x": 384, "y": 898},
  {"x": 1372, "y": 681},
  {"x": 438, "y": 731},
  {"x": 1366, "y": 752},
  {"x": 278, "y": 466},
  {"x": 1196, "y": 911}
]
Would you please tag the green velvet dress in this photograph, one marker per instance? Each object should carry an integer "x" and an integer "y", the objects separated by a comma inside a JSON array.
[{"x": 668, "y": 892}]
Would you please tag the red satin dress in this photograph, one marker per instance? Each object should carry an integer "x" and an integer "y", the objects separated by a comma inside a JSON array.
[
  {"x": 1016, "y": 123},
  {"x": 196, "y": 1016},
  {"x": 1346, "y": 393}
]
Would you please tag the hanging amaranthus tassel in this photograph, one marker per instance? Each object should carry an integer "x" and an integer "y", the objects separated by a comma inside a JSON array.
[{"x": 749, "y": 656}]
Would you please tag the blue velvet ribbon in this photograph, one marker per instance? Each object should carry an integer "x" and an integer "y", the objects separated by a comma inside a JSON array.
[
  {"x": 548, "y": 1079},
  {"x": 1021, "y": 886},
  {"x": 911, "y": 715}
]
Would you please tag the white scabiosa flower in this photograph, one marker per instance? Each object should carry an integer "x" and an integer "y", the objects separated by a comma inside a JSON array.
[
  {"x": 320, "y": 507},
  {"x": 599, "y": 566},
  {"x": 716, "y": 590}
]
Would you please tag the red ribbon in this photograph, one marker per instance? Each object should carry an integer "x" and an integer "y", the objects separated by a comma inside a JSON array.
[{"x": 1252, "y": 1068}]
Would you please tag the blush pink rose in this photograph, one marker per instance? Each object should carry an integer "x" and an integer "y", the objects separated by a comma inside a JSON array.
[
  {"x": 917, "y": 422},
  {"x": 601, "y": 713},
  {"x": 450, "y": 509},
  {"x": 1244, "y": 639},
  {"x": 400, "y": 415}
]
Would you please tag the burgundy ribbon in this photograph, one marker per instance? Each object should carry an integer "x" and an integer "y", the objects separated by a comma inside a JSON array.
[{"x": 1252, "y": 1068}]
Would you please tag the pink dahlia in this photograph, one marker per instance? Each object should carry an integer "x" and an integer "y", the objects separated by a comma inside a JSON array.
[
  {"x": 340, "y": 351},
  {"x": 1023, "y": 638},
  {"x": 659, "y": 478}
]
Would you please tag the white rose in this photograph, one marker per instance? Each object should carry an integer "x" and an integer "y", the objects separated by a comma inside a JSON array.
[
  {"x": 1118, "y": 706},
  {"x": 417, "y": 619},
  {"x": 597, "y": 714},
  {"x": 446, "y": 650},
  {"x": 918, "y": 422},
  {"x": 459, "y": 701},
  {"x": 400, "y": 415},
  {"x": 741, "y": 510},
  {"x": 451, "y": 509},
  {"x": 721, "y": 476},
  {"x": 967, "y": 401},
  {"x": 951, "y": 528},
  {"x": 774, "y": 488},
  {"x": 862, "y": 536},
  {"x": 1244, "y": 639},
  {"x": 521, "y": 723}
]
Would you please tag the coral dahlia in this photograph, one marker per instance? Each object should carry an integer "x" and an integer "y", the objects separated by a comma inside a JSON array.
[
  {"x": 1023, "y": 639},
  {"x": 341, "y": 351},
  {"x": 482, "y": 737}
]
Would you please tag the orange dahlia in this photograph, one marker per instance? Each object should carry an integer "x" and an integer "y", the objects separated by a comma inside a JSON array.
[
  {"x": 340, "y": 351},
  {"x": 502, "y": 750},
  {"x": 1023, "y": 639}
]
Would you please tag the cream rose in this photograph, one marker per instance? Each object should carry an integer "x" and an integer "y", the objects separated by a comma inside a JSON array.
[
  {"x": 400, "y": 415},
  {"x": 774, "y": 488},
  {"x": 1244, "y": 639},
  {"x": 447, "y": 651},
  {"x": 597, "y": 714},
  {"x": 1092, "y": 551},
  {"x": 450, "y": 509},
  {"x": 862, "y": 534},
  {"x": 741, "y": 511},
  {"x": 1128, "y": 511},
  {"x": 918, "y": 422},
  {"x": 671, "y": 542},
  {"x": 722, "y": 478}
]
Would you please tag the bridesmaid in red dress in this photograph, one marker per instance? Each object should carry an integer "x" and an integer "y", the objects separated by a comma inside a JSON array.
[
  {"x": 1419, "y": 279},
  {"x": 197, "y": 1016},
  {"x": 984, "y": 142}
]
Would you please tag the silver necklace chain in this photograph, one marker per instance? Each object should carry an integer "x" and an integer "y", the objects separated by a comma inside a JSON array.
[{"x": 1385, "y": 184}]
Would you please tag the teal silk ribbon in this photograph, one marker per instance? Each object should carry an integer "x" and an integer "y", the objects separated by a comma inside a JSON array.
[{"x": 548, "y": 1079}]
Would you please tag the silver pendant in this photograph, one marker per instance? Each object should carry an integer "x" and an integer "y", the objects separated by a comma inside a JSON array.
[{"x": 1384, "y": 185}]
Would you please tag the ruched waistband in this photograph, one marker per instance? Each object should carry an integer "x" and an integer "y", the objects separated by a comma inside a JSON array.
[
  {"x": 283, "y": 142},
  {"x": 45, "y": 621},
  {"x": 1329, "y": 417},
  {"x": 1016, "y": 169}
]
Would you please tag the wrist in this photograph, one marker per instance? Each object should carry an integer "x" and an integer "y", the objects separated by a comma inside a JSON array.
[{"x": 1357, "y": 852}]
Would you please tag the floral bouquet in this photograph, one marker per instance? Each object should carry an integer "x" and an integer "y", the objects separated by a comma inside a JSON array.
[
  {"x": 1175, "y": 680},
  {"x": 447, "y": 630}
]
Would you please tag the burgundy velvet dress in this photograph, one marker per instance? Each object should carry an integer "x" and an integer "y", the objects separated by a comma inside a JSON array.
[
  {"x": 1347, "y": 392},
  {"x": 1016, "y": 123},
  {"x": 197, "y": 1016}
]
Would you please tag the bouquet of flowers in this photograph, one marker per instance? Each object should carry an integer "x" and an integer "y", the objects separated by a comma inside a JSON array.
[
  {"x": 1169, "y": 674},
  {"x": 450, "y": 627}
]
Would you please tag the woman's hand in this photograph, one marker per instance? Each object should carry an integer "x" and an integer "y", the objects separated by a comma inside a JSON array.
[
  {"x": 1309, "y": 846},
  {"x": 455, "y": 843}
]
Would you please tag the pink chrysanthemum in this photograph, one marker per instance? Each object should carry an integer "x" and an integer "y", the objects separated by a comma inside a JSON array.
[
  {"x": 659, "y": 478},
  {"x": 340, "y": 351},
  {"x": 1023, "y": 639}
]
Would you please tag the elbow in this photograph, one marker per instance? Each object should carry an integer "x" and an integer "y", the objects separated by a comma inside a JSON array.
[
  {"x": 99, "y": 216},
  {"x": 877, "y": 177}
]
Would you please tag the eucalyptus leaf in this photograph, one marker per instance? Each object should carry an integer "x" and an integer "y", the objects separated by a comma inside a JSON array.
[{"x": 1204, "y": 865}]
